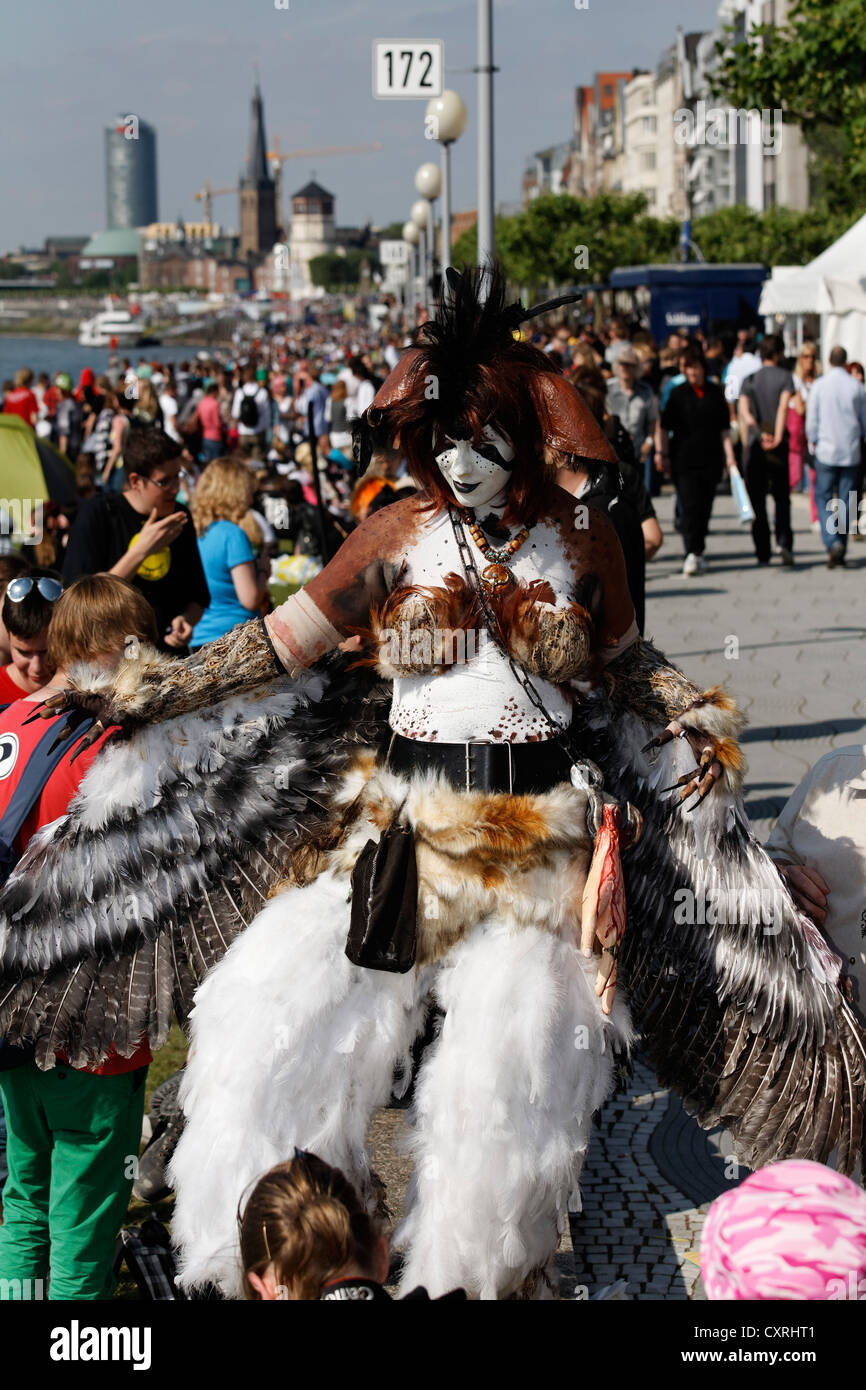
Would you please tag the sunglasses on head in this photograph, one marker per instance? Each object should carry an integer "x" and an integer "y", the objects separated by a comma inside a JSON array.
[{"x": 49, "y": 588}]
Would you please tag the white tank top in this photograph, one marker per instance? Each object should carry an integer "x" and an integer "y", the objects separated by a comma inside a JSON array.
[{"x": 479, "y": 700}]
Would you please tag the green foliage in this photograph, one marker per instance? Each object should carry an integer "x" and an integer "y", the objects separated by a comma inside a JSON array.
[
  {"x": 778, "y": 236},
  {"x": 813, "y": 67},
  {"x": 335, "y": 273},
  {"x": 561, "y": 240},
  {"x": 538, "y": 246},
  {"x": 115, "y": 279},
  {"x": 63, "y": 280}
]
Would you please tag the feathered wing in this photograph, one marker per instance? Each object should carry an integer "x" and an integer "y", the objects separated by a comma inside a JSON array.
[
  {"x": 735, "y": 991},
  {"x": 117, "y": 912}
]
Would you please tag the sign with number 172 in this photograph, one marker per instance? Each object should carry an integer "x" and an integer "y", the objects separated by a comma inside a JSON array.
[{"x": 408, "y": 68}]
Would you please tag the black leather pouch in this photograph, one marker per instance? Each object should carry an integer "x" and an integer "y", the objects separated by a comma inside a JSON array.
[{"x": 384, "y": 922}]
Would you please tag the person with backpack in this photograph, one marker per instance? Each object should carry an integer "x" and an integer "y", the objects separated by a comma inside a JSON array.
[
  {"x": 71, "y": 1130},
  {"x": 68, "y": 429},
  {"x": 251, "y": 408},
  {"x": 104, "y": 443}
]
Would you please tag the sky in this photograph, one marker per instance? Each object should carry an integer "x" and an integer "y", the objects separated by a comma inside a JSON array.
[{"x": 188, "y": 68}]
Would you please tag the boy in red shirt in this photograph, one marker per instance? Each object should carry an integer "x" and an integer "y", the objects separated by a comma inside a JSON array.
[
  {"x": 72, "y": 1135},
  {"x": 28, "y": 606}
]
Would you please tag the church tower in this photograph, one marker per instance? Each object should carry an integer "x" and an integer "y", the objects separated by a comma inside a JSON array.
[{"x": 258, "y": 193}]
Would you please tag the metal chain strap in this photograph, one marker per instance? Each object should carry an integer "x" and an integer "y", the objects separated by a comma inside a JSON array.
[{"x": 492, "y": 624}]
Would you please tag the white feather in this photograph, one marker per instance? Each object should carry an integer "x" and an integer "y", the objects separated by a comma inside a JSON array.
[
  {"x": 503, "y": 1109},
  {"x": 291, "y": 1045}
]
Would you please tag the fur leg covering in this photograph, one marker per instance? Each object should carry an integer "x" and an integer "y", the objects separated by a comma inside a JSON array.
[
  {"x": 291, "y": 1045},
  {"x": 503, "y": 1109}
]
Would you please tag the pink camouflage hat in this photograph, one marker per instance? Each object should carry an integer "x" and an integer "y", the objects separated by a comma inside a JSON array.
[{"x": 793, "y": 1230}]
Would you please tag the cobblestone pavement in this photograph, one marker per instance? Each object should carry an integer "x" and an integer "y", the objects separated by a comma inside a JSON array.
[{"x": 789, "y": 644}]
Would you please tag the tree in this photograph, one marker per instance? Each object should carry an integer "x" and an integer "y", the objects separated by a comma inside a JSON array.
[
  {"x": 779, "y": 236},
  {"x": 813, "y": 68},
  {"x": 561, "y": 240},
  {"x": 334, "y": 272}
]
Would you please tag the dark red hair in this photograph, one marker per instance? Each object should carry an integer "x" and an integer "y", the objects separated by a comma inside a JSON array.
[{"x": 467, "y": 370}]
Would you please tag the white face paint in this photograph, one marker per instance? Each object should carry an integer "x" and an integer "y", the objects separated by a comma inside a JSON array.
[{"x": 477, "y": 478}]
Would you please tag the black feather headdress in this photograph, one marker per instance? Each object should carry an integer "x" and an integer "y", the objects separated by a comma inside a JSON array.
[{"x": 467, "y": 369}]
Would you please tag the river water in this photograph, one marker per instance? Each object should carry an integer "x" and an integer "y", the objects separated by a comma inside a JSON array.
[{"x": 67, "y": 355}]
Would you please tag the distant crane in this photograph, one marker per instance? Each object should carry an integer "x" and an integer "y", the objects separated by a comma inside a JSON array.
[
  {"x": 277, "y": 159},
  {"x": 206, "y": 195}
]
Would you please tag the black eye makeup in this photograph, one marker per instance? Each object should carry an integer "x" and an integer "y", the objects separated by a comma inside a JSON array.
[
  {"x": 485, "y": 450},
  {"x": 492, "y": 454}
]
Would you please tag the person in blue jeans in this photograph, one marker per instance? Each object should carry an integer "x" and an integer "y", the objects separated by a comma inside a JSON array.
[
  {"x": 835, "y": 426},
  {"x": 220, "y": 509}
]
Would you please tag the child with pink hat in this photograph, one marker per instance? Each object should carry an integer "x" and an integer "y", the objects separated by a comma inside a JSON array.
[{"x": 793, "y": 1230}]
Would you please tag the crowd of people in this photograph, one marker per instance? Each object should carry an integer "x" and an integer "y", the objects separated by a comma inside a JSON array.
[
  {"x": 695, "y": 410},
  {"x": 692, "y": 413},
  {"x": 201, "y": 484}
]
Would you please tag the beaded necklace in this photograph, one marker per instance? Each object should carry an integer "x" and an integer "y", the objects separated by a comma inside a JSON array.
[{"x": 496, "y": 574}]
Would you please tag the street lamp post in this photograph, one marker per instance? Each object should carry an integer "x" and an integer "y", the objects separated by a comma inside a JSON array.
[
  {"x": 486, "y": 240},
  {"x": 418, "y": 215},
  {"x": 446, "y": 117},
  {"x": 413, "y": 236},
  {"x": 422, "y": 216}
]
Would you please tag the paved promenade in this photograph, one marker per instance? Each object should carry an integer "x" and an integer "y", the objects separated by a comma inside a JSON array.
[{"x": 791, "y": 646}]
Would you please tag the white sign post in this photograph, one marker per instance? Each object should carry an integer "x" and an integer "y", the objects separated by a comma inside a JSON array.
[
  {"x": 394, "y": 252},
  {"x": 408, "y": 68}
]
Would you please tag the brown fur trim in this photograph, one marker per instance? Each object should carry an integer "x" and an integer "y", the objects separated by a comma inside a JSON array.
[
  {"x": 644, "y": 681},
  {"x": 523, "y": 859},
  {"x": 715, "y": 712},
  {"x": 730, "y": 755},
  {"x": 550, "y": 642},
  {"x": 414, "y": 630},
  {"x": 151, "y": 687}
]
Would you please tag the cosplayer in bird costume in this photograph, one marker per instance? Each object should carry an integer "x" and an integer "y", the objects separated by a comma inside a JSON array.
[{"x": 458, "y": 808}]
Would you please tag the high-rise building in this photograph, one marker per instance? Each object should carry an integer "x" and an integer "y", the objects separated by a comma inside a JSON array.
[
  {"x": 130, "y": 173},
  {"x": 257, "y": 189}
]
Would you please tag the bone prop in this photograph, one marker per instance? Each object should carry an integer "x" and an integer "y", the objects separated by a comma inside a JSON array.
[{"x": 603, "y": 913}]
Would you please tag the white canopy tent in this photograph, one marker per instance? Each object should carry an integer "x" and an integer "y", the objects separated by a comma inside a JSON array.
[{"x": 833, "y": 286}]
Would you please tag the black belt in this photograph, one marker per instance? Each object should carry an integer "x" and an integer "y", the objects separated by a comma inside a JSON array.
[{"x": 490, "y": 767}]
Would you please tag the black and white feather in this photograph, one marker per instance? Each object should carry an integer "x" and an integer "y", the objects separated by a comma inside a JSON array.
[
  {"x": 117, "y": 911},
  {"x": 735, "y": 991}
]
